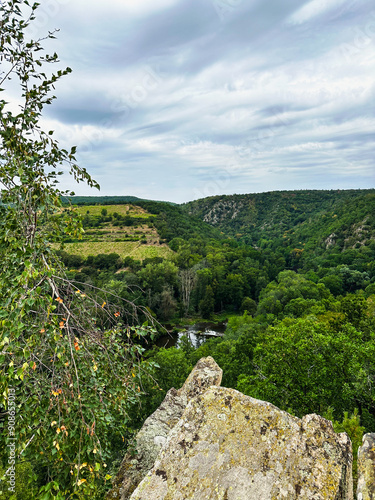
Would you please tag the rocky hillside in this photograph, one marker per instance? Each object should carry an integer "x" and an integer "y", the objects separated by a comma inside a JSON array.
[{"x": 344, "y": 219}]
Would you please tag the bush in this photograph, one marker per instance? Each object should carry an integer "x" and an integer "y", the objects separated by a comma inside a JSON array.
[{"x": 26, "y": 487}]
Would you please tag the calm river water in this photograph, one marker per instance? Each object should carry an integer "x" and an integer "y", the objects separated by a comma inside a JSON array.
[{"x": 197, "y": 334}]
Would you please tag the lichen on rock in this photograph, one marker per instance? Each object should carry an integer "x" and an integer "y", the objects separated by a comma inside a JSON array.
[
  {"x": 228, "y": 446},
  {"x": 206, "y": 442}
]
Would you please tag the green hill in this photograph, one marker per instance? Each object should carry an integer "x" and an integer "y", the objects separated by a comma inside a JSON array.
[
  {"x": 301, "y": 221},
  {"x": 327, "y": 219}
]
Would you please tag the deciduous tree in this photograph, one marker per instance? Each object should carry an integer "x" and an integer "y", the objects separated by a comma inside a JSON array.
[{"x": 73, "y": 382}]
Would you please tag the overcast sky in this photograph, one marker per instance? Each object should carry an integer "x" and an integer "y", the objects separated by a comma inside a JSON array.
[{"x": 182, "y": 99}]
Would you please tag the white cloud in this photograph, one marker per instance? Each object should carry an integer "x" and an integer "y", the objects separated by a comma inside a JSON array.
[{"x": 313, "y": 9}]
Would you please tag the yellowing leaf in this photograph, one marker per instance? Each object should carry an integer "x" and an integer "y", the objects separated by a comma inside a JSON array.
[{"x": 81, "y": 481}]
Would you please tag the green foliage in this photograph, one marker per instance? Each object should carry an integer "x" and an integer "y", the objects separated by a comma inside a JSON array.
[
  {"x": 305, "y": 365},
  {"x": 172, "y": 221},
  {"x": 249, "y": 305},
  {"x": 101, "y": 200},
  {"x": 350, "y": 425},
  {"x": 305, "y": 340},
  {"x": 292, "y": 294},
  {"x": 26, "y": 486},
  {"x": 334, "y": 283},
  {"x": 73, "y": 382},
  {"x": 206, "y": 305},
  {"x": 296, "y": 220},
  {"x": 154, "y": 277},
  {"x": 171, "y": 368}
]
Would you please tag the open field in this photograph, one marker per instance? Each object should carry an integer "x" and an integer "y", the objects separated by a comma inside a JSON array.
[
  {"x": 139, "y": 240},
  {"x": 132, "y": 249}
]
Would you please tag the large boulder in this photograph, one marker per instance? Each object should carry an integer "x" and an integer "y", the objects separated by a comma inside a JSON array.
[
  {"x": 228, "y": 446},
  {"x": 366, "y": 468},
  {"x": 156, "y": 428}
]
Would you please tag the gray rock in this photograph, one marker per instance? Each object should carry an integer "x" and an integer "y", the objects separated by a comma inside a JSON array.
[
  {"x": 366, "y": 468},
  {"x": 228, "y": 446},
  {"x": 157, "y": 427}
]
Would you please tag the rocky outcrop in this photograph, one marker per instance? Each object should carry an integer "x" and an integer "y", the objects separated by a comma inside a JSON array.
[
  {"x": 228, "y": 446},
  {"x": 330, "y": 241},
  {"x": 366, "y": 468},
  {"x": 206, "y": 442},
  {"x": 157, "y": 427}
]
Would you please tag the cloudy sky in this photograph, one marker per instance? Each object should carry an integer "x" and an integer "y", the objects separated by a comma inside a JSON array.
[{"x": 182, "y": 99}]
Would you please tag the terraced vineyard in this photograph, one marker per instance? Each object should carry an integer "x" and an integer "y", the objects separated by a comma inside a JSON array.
[{"x": 127, "y": 230}]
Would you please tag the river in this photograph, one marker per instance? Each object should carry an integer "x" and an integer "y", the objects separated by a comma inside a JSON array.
[{"x": 197, "y": 334}]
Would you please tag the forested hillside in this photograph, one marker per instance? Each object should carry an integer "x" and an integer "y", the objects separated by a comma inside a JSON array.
[
  {"x": 324, "y": 219},
  {"x": 231, "y": 248}
]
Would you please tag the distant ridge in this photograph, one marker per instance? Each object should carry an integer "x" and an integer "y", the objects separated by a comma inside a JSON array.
[{"x": 107, "y": 200}]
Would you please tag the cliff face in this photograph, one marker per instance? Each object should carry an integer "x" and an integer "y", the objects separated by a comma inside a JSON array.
[{"x": 222, "y": 445}]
